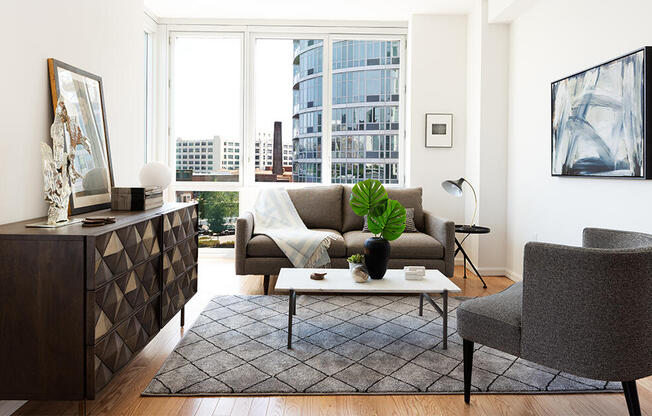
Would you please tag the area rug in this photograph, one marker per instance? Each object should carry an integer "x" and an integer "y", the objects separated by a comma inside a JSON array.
[{"x": 341, "y": 345}]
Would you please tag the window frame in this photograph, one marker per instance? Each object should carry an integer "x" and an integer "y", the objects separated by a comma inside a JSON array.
[{"x": 249, "y": 34}]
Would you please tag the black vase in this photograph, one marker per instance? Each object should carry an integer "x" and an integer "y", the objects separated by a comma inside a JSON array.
[{"x": 376, "y": 256}]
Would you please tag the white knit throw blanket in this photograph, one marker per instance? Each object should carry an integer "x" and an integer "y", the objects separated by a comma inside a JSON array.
[{"x": 276, "y": 217}]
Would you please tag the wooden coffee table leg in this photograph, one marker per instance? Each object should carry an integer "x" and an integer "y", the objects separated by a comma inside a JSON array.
[{"x": 291, "y": 312}]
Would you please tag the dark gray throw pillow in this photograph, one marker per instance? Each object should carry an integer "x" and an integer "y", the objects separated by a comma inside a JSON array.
[{"x": 409, "y": 222}]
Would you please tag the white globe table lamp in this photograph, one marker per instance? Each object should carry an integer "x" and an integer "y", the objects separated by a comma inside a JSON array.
[{"x": 155, "y": 174}]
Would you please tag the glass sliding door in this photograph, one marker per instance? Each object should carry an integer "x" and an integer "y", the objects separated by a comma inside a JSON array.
[
  {"x": 207, "y": 108},
  {"x": 365, "y": 110},
  {"x": 288, "y": 76}
]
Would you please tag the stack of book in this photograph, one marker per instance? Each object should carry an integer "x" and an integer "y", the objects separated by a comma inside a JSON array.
[
  {"x": 414, "y": 272},
  {"x": 136, "y": 199}
]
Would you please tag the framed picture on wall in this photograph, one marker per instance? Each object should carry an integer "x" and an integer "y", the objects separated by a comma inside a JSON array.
[
  {"x": 601, "y": 120},
  {"x": 83, "y": 95},
  {"x": 439, "y": 130}
]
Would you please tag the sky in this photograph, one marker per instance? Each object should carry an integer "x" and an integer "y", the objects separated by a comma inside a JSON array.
[{"x": 208, "y": 87}]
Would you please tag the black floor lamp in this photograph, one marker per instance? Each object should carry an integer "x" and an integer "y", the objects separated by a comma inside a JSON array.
[{"x": 454, "y": 187}]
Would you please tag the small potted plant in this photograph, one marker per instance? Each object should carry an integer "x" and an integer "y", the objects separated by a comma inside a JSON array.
[
  {"x": 357, "y": 268},
  {"x": 386, "y": 219}
]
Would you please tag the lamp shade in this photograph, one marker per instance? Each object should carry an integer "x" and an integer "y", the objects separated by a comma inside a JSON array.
[
  {"x": 155, "y": 174},
  {"x": 453, "y": 187}
]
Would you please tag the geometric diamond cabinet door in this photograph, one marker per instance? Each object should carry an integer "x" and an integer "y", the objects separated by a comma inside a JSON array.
[
  {"x": 117, "y": 251},
  {"x": 177, "y": 294},
  {"x": 116, "y": 300},
  {"x": 179, "y": 225},
  {"x": 116, "y": 349}
]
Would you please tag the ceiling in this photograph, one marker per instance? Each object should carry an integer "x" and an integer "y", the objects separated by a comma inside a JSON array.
[{"x": 388, "y": 10}]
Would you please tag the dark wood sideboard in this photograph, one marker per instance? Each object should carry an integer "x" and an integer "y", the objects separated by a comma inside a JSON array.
[{"x": 77, "y": 304}]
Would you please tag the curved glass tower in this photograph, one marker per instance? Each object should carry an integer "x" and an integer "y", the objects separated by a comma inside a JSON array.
[
  {"x": 365, "y": 110},
  {"x": 307, "y": 110}
]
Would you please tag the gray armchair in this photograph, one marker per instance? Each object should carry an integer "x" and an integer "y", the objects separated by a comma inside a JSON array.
[{"x": 583, "y": 310}]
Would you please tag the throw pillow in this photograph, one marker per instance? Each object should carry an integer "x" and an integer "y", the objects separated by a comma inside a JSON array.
[{"x": 409, "y": 222}]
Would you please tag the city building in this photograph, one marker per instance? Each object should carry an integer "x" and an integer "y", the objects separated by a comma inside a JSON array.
[
  {"x": 365, "y": 111},
  {"x": 205, "y": 157},
  {"x": 264, "y": 152}
]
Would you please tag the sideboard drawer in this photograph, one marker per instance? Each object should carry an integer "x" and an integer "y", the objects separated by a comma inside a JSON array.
[
  {"x": 176, "y": 294},
  {"x": 179, "y": 225},
  {"x": 118, "y": 299},
  {"x": 116, "y": 349},
  {"x": 117, "y": 251}
]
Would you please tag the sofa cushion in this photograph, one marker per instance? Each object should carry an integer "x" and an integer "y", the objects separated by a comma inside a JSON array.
[
  {"x": 350, "y": 221},
  {"x": 493, "y": 320},
  {"x": 319, "y": 206},
  {"x": 407, "y": 246},
  {"x": 410, "y": 198},
  {"x": 261, "y": 245}
]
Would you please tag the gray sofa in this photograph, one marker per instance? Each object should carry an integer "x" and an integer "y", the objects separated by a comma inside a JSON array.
[
  {"x": 583, "y": 310},
  {"x": 327, "y": 208}
]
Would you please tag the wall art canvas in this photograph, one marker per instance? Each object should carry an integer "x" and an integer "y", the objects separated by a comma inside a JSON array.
[
  {"x": 599, "y": 120},
  {"x": 83, "y": 95}
]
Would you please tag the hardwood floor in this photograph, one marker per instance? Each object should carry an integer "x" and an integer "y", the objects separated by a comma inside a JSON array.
[{"x": 216, "y": 276}]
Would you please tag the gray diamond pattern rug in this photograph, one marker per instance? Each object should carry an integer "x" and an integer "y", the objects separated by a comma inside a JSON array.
[{"x": 341, "y": 345}]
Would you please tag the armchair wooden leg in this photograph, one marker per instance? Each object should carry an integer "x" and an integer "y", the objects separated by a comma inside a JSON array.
[
  {"x": 467, "y": 347},
  {"x": 631, "y": 397},
  {"x": 266, "y": 284}
]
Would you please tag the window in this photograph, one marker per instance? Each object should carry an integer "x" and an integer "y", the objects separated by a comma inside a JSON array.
[
  {"x": 147, "y": 66},
  {"x": 207, "y": 103},
  {"x": 218, "y": 212},
  {"x": 365, "y": 111},
  {"x": 320, "y": 108},
  {"x": 288, "y": 99}
]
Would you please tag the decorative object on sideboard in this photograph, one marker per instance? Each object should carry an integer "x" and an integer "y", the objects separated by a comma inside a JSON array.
[
  {"x": 600, "y": 119},
  {"x": 385, "y": 218},
  {"x": 155, "y": 174},
  {"x": 358, "y": 269},
  {"x": 84, "y": 97},
  {"x": 454, "y": 187},
  {"x": 439, "y": 130},
  {"x": 136, "y": 199},
  {"x": 59, "y": 166},
  {"x": 97, "y": 221}
]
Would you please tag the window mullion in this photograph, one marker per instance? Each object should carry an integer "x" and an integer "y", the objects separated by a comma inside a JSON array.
[{"x": 326, "y": 112}]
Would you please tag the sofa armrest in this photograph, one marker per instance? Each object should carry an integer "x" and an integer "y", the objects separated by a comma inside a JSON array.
[
  {"x": 442, "y": 230},
  {"x": 244, "y": 229}
]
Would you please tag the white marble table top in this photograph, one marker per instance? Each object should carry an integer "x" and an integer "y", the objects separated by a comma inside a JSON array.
[{"x": 340, "y": 281}]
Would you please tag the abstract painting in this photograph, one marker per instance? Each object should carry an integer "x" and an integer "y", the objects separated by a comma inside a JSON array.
[
  {"x": 83, "y": 95},
  {"x": 599, "y": 120}
]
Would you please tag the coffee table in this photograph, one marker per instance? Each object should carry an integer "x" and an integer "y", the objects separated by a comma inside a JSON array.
[{"x": 297, "y": 281}]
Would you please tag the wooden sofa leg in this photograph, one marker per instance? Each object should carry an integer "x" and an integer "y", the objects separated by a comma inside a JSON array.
[
  {"x": 631, "y": 397},
  {"x": 467, "y": 347},
  {"x": 266, "y": 284}
]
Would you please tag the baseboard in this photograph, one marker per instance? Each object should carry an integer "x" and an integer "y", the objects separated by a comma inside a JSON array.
[
  {"x": 517, "y": 277},
  {"x": 485, "y": 271}
]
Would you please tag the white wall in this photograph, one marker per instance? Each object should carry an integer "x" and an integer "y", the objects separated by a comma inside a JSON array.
[
  {"x": 553, "y": 39},
  {"x": 102, "y": 37},
  {"x": 436, "y": 83},
  {"x": 487, "y": 73}
]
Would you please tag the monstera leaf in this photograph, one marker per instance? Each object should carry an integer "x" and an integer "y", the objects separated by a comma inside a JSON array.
[
  {"x": 391, "y": 223},
  {"x": 368, "y": 198}
]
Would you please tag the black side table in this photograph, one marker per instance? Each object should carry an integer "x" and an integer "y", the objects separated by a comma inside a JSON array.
[{"x": 468, "y": 230}]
